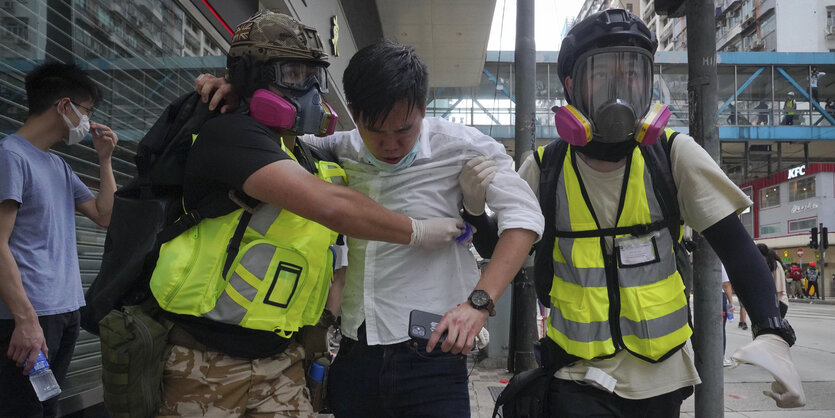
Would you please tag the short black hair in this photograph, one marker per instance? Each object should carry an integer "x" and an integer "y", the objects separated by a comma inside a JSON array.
[
  {"x": 52, "y": 81},
  {"x": 380, "y": 75}
]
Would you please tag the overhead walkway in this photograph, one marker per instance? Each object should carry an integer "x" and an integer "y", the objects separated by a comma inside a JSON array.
[{"x": 753, "y": 87}]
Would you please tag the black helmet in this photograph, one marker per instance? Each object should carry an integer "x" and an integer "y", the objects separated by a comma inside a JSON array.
[{"x": 611, "y": 27}]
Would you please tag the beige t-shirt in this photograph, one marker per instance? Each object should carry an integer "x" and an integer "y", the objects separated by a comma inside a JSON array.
[
  {"x": 780, "y": 283},
  {"x": 706, "y": 196}
]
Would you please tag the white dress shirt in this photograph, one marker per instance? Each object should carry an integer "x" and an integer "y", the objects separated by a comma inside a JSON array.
[{"x": 384, "y": 281}]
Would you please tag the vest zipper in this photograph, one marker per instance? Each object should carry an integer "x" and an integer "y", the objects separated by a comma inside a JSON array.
[
  {"x": 610, "y": 266},
  {"x": 191, "y": 263}
]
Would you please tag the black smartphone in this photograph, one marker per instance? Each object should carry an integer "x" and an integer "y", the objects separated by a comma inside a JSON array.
[{"x": 422, "y": 324}]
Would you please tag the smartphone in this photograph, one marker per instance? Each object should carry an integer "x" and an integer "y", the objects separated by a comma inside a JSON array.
[{"x": 422, "y": 324}]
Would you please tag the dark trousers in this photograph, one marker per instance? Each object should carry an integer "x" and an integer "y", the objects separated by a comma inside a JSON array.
[
  {"x": 398, "y": 380},
  {"x": 569, "y": 400},
  {"x": 18, "y": 397}
]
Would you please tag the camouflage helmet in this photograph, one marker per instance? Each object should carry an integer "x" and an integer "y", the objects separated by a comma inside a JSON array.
[{"x": 270, "y": 35}]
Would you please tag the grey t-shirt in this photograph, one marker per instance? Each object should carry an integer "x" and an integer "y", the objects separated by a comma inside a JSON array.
[{"x": 43, "y": 241}]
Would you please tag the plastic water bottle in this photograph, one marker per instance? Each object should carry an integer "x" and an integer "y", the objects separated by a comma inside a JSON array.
[
  {"x": 42, "y": 379},
  {"x": 731, "y": 317}
]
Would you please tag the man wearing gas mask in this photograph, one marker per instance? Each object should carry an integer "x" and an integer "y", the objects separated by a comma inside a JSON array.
[
  {"x": 614, "y": 192},
  {"x": 238, "y": 286}
]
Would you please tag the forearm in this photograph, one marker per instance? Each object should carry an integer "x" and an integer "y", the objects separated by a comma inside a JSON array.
[
  {"x": 11, "y": 288},
  {"x": 726, "y": 287},
  {"x": 107, "y": 186},
  {"x": 334, "y": 302},
  {"x": 746, "y": 268},
  {"x": 511, "y": 251}
]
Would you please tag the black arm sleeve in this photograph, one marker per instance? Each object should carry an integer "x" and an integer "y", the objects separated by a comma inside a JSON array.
[
  {"x": 746, "y": 267},
  {"x": 487, "y": 233}
]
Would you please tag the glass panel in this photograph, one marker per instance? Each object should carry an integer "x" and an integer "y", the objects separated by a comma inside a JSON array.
[
  {"x": 803, "y": 224},
  {"x": 769, "y": 197},
  {"x": 801, "y": 189},
  {"x": 769, "y": 229}
]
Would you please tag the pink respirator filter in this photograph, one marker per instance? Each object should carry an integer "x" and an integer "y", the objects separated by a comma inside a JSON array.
[
  {"x": 572, "y": 126},
  {"x": 653, "y": 124},
  {"x": 272, "y": 110}
]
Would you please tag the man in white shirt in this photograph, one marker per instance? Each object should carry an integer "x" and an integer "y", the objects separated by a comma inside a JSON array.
[{"x": 411, "y": 165}]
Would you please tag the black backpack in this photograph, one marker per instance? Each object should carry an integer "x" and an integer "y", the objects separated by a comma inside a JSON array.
[{"x": 149, "y": 211}]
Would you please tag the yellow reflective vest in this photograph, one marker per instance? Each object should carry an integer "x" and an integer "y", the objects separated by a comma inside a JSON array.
[
  {"x": 632, "y": 299},
  {"x": 278, "y": 280}
]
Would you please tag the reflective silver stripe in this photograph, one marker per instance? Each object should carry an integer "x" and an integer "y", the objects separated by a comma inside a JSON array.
[
  {"x": 255, "y": 261},
  {"x": 587, "y": 277},
  {"x": 263, "y": 218},
  {"x": 226, "y": 310},
  {"x": 655, "y": 272},
  {"x": 657, "y": 327},
  {"x": 580, "y": 331}
]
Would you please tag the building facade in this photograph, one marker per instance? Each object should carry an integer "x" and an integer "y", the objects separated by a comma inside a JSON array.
[{"x": 787, "y": 205}]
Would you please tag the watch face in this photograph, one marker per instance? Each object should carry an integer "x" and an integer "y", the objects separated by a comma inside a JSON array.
[{"x": 479, "y": 298}]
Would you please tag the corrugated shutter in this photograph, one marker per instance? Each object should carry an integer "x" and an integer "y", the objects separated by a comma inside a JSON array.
[{"x": 142, "y": 54}]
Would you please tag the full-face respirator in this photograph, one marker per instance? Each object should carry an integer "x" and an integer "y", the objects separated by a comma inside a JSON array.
[{"x": 611, "y": 93}]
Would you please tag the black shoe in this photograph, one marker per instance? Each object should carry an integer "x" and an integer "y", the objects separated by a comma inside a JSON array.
[{"x": 743, "y": 325}]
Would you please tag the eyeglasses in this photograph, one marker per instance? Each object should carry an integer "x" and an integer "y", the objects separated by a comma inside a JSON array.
[{"x": 89, "y": 110}]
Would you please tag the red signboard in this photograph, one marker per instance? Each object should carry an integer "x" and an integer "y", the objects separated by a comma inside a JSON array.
[{"x": 800, "y": 252}]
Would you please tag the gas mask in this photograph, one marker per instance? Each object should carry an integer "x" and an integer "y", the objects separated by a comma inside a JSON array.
[
  {"x": 77, "y": 133},
  {"x": 612, "y": 91},
  {"x": 302, "y": 109}
]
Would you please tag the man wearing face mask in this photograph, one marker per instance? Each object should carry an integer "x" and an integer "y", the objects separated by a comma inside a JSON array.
[
  {"x": 40, "y": 281},
  {"x": 240, "y": 285},
  {"x": 614, "y": 192}
]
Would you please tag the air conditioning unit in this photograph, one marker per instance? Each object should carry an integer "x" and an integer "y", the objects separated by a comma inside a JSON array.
[
  {"x": 757, "y": 45},
  {"x": 829, "y": 30}
]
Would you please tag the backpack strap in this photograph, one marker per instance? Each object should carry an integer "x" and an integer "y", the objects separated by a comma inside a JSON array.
[
  {"x": 661, "y": 172},
  {"x": 549, "y": 159}
]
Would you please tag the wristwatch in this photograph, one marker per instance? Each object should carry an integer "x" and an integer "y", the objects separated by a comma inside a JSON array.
[
  {"x": 480, "y": 299},
  {"x": 777, "y": 326}
]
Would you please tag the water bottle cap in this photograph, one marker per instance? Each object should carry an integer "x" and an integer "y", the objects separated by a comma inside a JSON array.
[{"x": 317, "y": 372}]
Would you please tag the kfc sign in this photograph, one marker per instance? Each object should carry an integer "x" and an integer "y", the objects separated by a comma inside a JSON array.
[{"x": 797, "y": 171}]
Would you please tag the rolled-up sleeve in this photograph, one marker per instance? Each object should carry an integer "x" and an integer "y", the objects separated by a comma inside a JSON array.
[{"x": 509, "y": 196}]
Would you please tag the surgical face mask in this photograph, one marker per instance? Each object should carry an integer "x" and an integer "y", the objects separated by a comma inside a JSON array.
[
  {"x": 613, "y": 88},
  {"x": 77, "y": 133},
  {"x": 404, "y": 162}
]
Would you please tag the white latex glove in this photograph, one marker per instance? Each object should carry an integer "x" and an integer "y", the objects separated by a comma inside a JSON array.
[
  {"x": 770, "y": 352},
  {"x": 482, "y": 339},
  {"x": 474, "y": 179},
  {"x": 435, "y": 233}
]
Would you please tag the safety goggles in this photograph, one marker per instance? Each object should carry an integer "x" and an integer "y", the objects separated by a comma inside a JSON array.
[
  {"x": 300, "y": 76},
  {"x": 609, "y": 75}
]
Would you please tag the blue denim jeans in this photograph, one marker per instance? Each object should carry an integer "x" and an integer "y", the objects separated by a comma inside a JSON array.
[
  {"x": 398, "y": 380},
  {"x": 17, "y": 398}
]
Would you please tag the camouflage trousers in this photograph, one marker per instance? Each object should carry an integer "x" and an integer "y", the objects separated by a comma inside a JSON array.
[{"x": 213, "y": 384}]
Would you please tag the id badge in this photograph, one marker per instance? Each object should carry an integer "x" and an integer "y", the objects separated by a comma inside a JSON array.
[{"x": 637, "y": 251}]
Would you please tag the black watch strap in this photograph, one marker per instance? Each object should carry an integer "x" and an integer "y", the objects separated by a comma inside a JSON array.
[{"x": 775, "y": 325}]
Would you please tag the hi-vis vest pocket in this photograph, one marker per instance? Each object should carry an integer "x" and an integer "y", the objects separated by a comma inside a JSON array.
[{"x": 269, "y": 287}]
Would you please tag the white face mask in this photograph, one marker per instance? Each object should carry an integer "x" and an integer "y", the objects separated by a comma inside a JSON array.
[{"x": 77, "y": 133}]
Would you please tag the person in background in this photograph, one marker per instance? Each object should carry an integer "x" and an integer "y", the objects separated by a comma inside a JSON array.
[
  {"x": 762, "y": 116},
  {"x": 789, "y": 109},
  {"x": 779, "y": 275},
  {"x": 813, "y": 81},
  {"x": 727, "y": 313},
  {"x": 812, "y": 275},
  {"x": 796, "y": 275},
  {"x": 40, "y": 280}
]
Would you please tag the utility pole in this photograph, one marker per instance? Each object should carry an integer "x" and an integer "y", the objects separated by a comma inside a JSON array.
[
  {"x": 707, "y": 287},
  {"x": 523, "y": 320}
]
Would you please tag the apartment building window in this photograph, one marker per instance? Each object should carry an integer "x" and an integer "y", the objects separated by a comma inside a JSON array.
[
  {"x": 801, "y": 189},
  {"x": 629, "y": 7},
  {"x": 802, "y": 225},
  {"x": 770, "y": 197},
  {"x": 769, "y": 229},
  {"x": 830, "y": 16},
  {"x": 18, "y": 27}
]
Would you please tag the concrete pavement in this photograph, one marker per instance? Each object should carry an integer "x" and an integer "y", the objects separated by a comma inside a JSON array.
[{"x": 813, "y": 355}]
